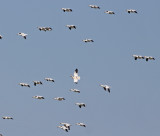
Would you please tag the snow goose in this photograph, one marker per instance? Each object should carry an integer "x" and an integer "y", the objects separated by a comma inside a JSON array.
[
  {"x": 94, "y": 6},
  {"x": 49, "y": 79},
  {"x": 75, "y": 90},
  {"x": 64, "y": 128},
  {"x": 81, "y": 124},
  {"x": 131, "y": 11},
  {"x": 67, "y": 10},
  {"x": 106, "y": 87},
  {"x": 109, "y": 12},
  {"x": 67, "y": 125},
  {"x": 59, "y": 98},
  {"x": 23, "y": 35},
  {"x": 38, "y": 97},
  {"x": 37, "y": 82},
  {"x": 6, "y": 117},
  {"x": 149, "y": 58},
  {"x": 24, "y": 84},
  {"x": 75, "y": 77},
  {"x": 81, "y": 105},
  {"x": 71, "y": 27},
  {"x": 138, "y": 57},
  {"x": 87, "y": 40}
]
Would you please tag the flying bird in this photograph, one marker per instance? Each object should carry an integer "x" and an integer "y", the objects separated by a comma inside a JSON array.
[
  {"x": 38, "y": 97},
  {"x": 109, "y": 12},
  {"x": 49, "y": 79},
  {"x": 59, "y": 98},
  {"x": 6, "y": 117},
  {"x": 131, "y": 11},
  {"x": 67, "y": 125},
  {"x": 81, "y": 105},
  {"x": 37, "y": 82},
  {"x": 94, "y": 6},
  {"x": 1, "y": 36},
  {"x": 71, "y": 27},
  {"x": 106, "y": 87},
  {"x": 81, "y": 124},
  {"x": 87, "y": 40},
  {"x": 64, "y": 128},
  {"x": 44, "y": 28},
  {"x": 67, "y": 10},
  {"x": 138, "y": 57},
  {"x": 75, "y": 90},
  {"x": 75, "y": 77},
  {"x": 149, "y": 58},
  {"x": 23, "y": 35},
  {"x": 24, "y": 84}
]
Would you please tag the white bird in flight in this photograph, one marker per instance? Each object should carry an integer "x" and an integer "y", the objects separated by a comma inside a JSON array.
[
  {"x": 138, "y": 57},
  {"x": 87, "y": 40},
  {"x": 81, "y": 105},
  {"x": 75, "y": 90},
  {"x": 37, "y": 82},
  {"x": 67, "y": 10},
  {"x": 38, "y": 97},
  {"x": 131, "y": 11},
  {"x": 6, "y": 117},
  {"x": 23, "y": 35},
  {"x": 94, "y": 6},
  {"x": 24, "y": 84},
  {"x": 75, "y": 77},
  {"x": 71, "y": 27},
  {"x": 67, "y": 125},
  {"x": 59, "y": 98},
  {"x": 149, "y": 58},
  {"x": 64, "y": 128},
  {"x": 81, "y": 124},
  {"x": 109, "y": 12},
  {"x": 49, "y": 79},
  {"x": 106, "y": 87}
]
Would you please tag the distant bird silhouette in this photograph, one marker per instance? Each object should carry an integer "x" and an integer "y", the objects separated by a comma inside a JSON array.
[
  {"x": 149, "y": 58},
  {"x": 75, "y": 77},
  {"x": 24, "y": 84},
  {"x": 138, "y": 57},
  {"x": 6, "y": 117},
  {"x": 67, "y": 10},
  {"x": 59, "y": 98},
  {"x": 37, "y": 82},
  {"x": 64, "y": 128},
  {"x": 44, "y": 28},
  {"x": 67, "y": 125},
  {"x": 23, "y": 35},
  {"x": 81, "y": 124},
  {"x": 88, "y": 40},
  {"x": 49, "y": 79},
  {"x": 71, "y": 27},
  {"x": 75, "y": 90},
  {"x": 38, "y": 97},
  {"x": 106, "y": 87},
  {"x": 81, "y": 105},
  {"x": 131, "y": 11},
  {"x": 1, "y": 36},
  {"x": 109, "y": 12},
  {"x": 94, "y": 6}
]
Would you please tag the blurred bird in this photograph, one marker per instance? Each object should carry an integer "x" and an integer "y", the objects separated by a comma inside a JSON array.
[
  {"x": 71, "y": 27},
  {"x": 149, "y": 58},
  {"x": 64, "y": 128},
  {"x": 23, "y": 35},
  {"x": 38, "y": 97},
  {"x": 24, "y": 84},
  {"x": 138, "y": 57},
  {"x": 106, "y": 87},
  {"x": 67, "y": 125},
  {"x": 67, "y": 10},
  {"x": 49, "y": 79},
  {"x": 75, "y": 77},
  {"x": 94, "y": 6},
  {"x": 75, "y": 90},
  {"x": 6, "y": 117},
  {"x": 81, "y": 124},
  {"x": 37, "y": 82},
  {"x": 81, "y": 105},
  {"x": 109, "y": 12},
  {"x": 1, "y": 36},
  {"x": 131, "y": 11},
  {"x": 88, "y": 40},
  {"x": 59, "y": 98}
]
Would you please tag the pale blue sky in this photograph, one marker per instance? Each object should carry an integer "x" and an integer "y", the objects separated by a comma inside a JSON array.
[{"x": 132, "y": 107}]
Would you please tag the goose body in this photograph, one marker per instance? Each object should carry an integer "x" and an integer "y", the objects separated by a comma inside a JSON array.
[
  {"x": 87, "y": 40},
  {"x": 59, "y": 98},
  {"x": 131, "y": 11},
  {"x": 81, "y": 124},
  {"x": 75, "y": 90},
  {"x": 38, "y": 97},
  {"x": 24, "y": 84},
  {"x": 71, "y": 27},
  {"x": 75, "y": 77},
  {"x": 7, "y": 117},
  {"x": 23, "y": 35},
  {"x": 106, "y": 87},
  {"x": 44, "y": 28},
  {"x": 37, "y": 82},
  {"x": 67, "y": 125},
  {"x": 94, "y": 6},
  {"x": 138, "y": 57},
  {"x": 109, "y": 12},
  {"x": 67, "y": 10},
  {"x": 49, "y": 79},
  {"x": 64, "y": 128},
  {"x": 81, "y": 105},
  {"x": 149, "y": 58}
]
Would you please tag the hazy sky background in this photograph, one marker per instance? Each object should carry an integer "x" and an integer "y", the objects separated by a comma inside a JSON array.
[{"x": 132, "y": 107}]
